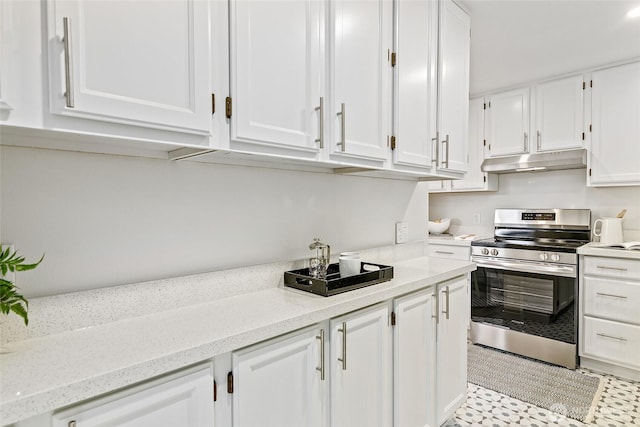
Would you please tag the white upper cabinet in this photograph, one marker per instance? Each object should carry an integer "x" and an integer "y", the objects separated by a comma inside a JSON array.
[
  {"x": 614, "y": 157},
  {"x": 559, "y": 115},
  {"x": 415, "y": 82},
  {"x": 277, "y": 74},
  {"x": 475, "y": 179},
  {"x": 361, "y": 369},
  {"x": 507, "y": 123},
  {"x": 359, "y": 114},
  {"x": 144, "y": 63},
  {"x": 453, "y": 91}
]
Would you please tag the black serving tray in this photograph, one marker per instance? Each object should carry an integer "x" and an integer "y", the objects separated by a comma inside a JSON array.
[{"x": 334, "y": 283}]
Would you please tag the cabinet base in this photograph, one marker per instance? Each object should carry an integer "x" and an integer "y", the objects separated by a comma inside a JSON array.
[{"x": 609, "y": 368}]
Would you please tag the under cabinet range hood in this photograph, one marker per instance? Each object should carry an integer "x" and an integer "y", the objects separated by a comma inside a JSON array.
[{"x": 553, "y": 160}]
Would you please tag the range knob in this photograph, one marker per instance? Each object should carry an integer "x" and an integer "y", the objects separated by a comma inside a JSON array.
[
  {"x": 544, "y": 256},
  {"x": 485, "y": 251},
  {"x": 555, "y": 257},
  {"x": 494, "y": 252}
]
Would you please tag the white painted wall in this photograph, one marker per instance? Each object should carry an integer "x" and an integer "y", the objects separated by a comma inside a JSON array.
[
  {"x": 553, "y": 189},
  {"x": 107, "y": 220}
]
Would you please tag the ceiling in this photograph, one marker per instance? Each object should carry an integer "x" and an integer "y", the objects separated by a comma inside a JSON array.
[{"x": 519, "y": 41}]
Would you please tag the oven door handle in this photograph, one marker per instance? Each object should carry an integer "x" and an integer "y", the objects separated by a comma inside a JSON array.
[{"x": 528, "y": 267}]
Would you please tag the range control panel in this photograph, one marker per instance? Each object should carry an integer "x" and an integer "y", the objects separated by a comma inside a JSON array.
[{"x": 538, "y": 216}]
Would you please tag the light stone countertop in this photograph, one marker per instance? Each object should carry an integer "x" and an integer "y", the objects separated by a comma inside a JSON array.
[
  {"x": 595, "y": 249},
  {"x": 41, "y": 374}
]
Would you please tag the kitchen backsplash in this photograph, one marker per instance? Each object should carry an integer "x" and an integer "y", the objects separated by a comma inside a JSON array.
[
  {"x": 108, "y": 220},
  {"x": 554, "y": 189}
]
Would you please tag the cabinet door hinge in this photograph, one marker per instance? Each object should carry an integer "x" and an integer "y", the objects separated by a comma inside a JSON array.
[
  {"x": 584, "y": 85},
  {"x": 215, "y": 391},
  {"x": 583, "y": 136},
  {"x": 484, "y": 106},
  {"x": 393, "y": 142},
  {"x": 394, "y": 58},
  {"x": 213, "y": 103},
  {"x": 393, "y": 318},
  {"x": 590, "y": 83},
  {"x": 589, "y": 171},
  {"x": 484, "y": 178},
  {"x": 227, "y": 107},
  {"x": 484, "y": 142},
  {"x": 230, "y": 382},
  {"x": 590, "y": 128}
]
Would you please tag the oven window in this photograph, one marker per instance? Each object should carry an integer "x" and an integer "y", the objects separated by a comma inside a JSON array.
[{"x": 535, "y": 304}]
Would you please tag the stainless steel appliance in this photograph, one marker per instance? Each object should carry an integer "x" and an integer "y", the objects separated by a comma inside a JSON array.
[{"x": 524, "y": 291}]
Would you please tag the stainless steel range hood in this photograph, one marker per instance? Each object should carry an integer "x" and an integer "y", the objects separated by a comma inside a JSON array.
[{"x": 553, "y": 160}]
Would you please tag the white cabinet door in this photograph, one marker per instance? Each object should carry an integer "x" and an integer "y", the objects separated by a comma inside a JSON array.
[
  {"x": 280, "y": 383},
  {"x": 276, "y": 60},
  {"x": 475, "y": 179},
  {"x": 508, "y": 123},
  {"x": 359, "y": 114},
  {"x": 135, "y": 62},
  {"x": 614, "y": 158},
  {"x": 451, "y": 376},
  {"x": 453, "y": 77},
  {"x": 559, "y": 115},
  {"x": 184, "y": 400},
  {"x": 361, "y": 369},
  {"x": 415, "y": 82},
  {"x": 414, "y": 360}
]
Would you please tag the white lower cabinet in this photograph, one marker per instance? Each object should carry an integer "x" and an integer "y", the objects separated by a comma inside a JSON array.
[
  {"x": 361, "y": 365},
  {"x": 451, "y": 345},
  {"x": 414, "y": 359},
  {"x": 609, "y": 317},
  {"x": 282, "y": 382},
  {"x": 184, "y": 399}
]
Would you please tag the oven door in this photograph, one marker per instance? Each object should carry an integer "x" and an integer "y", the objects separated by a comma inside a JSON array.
[{"x": 529, "y": 297}]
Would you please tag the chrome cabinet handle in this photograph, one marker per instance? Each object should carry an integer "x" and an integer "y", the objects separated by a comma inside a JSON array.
[
  {"x": 526, "y": 142},
  {"x": 344, "y": 346},
  {"x": 446, "y": 311},
  {"x": 539, "y": 140},
  {"x": 604, "y": 267},
  {"x": 68, "y": 64},
  {"x": 444, "y": 252},
  {"x": 434, "y": 153},
  {"x": 321, "y": 368},
  {"x": 445, "y": 144},
  {"x": 611, "y": 295},
  {"x": 320, "y": 108},
  {"x": 343, "y": 141},
  {"x": 611, "y": 336}
]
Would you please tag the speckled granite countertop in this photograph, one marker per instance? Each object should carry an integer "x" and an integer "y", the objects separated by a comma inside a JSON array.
[
  {"x": 43, "y": 373},
  {"x": 596, "y": 249}
]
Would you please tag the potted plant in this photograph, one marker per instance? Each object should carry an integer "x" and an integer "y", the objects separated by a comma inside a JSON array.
[{"x": 10, "y": 299}]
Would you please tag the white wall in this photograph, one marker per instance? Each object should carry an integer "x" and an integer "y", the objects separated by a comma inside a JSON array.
[
  {"x": 555, "y": 189},
  {"x": 107, "y": 220}
]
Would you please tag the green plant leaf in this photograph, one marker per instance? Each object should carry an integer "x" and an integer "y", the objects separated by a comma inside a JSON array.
[{"x": 22, "y": 312}]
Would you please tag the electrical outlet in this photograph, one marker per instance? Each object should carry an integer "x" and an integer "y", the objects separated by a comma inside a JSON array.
[
  {"x": 402, "y": 232},
  {"x": 476, "y": 219},
  {"x": 10, "y": 276}
]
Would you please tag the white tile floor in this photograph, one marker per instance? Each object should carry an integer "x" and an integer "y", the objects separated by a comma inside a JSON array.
[{"x": 619, "y": 406}]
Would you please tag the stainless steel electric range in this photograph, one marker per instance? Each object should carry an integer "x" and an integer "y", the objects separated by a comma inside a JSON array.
[{"x": 524, "y": 293}]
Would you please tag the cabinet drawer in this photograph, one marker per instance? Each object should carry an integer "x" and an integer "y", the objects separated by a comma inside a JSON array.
[
  {"x": 612, "y": 299},
  {"x": 449, "y": 251},
  {"x": 612, "y": 267},
  {"x": 612, "y": 341}
]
